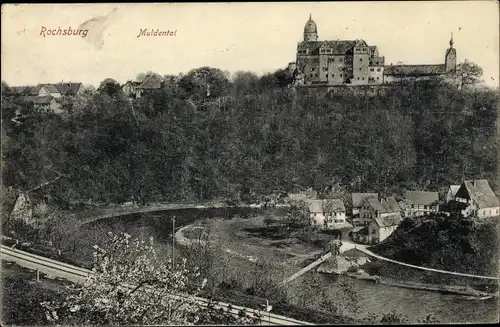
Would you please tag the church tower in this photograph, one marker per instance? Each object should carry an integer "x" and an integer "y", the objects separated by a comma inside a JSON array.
[
  {"x": 310, "y": 30},
  {"x": 450, "y": 61}
]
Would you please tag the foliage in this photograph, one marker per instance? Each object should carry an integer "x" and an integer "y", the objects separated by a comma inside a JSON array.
[
  {"x": 130, "y": 285},
  {"x": 441, "y": 242},
  {"x": 469, "y": 72},
  {"x": 21, "y": 301},
  {"x": 204, "y": 137}
]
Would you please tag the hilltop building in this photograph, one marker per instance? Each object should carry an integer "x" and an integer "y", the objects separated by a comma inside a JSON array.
[{"x": 355, "y": 62}]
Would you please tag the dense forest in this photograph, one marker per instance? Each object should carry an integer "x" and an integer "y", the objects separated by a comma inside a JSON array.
[{"x": 206, "y": 136}]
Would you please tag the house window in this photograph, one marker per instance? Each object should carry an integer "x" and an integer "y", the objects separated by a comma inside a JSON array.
[
  {"x": 359, "y": 68},
  {"x": 311, "y": 75},
  {"x": 377, "y": 78},
  {"x": 341, "y": 59},
  {"x": 340, "y": 75},
  {"x": 326, "y": 75},
  {"x": 378, "y": 69},
  {"x": 333, "y": 75},
  {"x": 312, "y": 69},
  {"x": 358, "y": 77},
  {"x": 360, "y": 59},
  {"x": 325, "y": 69},
  {"x": 316, "y": 75},
  {"x": 371, "y": 69},
  {"x": 363, "y": 78}
]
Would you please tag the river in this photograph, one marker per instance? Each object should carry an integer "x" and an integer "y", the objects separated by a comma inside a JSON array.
[{"x": 375, "y": 298}]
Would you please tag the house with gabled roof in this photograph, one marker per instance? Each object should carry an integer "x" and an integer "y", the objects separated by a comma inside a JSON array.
[
  {"x": 420, "y": 203},
  {"x": 374, "y": 208},
  {"x": 450, "y": 194},
  {"x": 358, "y": 199},
  {"x": 478, "y": 199},
  {"x": 327, "y": 213}
]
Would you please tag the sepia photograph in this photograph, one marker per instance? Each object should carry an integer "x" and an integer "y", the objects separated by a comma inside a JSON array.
[{"x": 238, "y": 163}]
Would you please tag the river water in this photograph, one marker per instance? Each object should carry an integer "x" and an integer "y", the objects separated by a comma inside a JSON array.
[{"x": 375, "y": 298}]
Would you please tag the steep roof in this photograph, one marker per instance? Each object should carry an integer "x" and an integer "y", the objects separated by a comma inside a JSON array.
[
  {"x": 321, "y": 206},
  {"x": 454, "y": 189},
  {"x": 380, "y": 206},
  {"x": 50, "y": 87},
  {"x": 150, "y": 83},
  {"x": 338, "y": 46},
  {"x": 422, "y": 197},
  {"x": 393, "y": 204},
  {"x": 414, "y": 70},
  {"x": 334, "y": 205},
  {"x": 68, "y": 88},
  {"x": 480, "y": 192},
  {"x": 315, "y": 206},
  {"x": 358, "y": 198},
  {"x": 391, "y": 220}
]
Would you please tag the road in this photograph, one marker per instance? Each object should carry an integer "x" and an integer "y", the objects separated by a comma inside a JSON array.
[{"x": 78, "y": 275}]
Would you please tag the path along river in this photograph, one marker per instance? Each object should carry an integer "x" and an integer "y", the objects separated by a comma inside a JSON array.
[{"x": 375, "y": 298}]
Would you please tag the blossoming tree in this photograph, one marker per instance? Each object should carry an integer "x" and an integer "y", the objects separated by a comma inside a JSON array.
[{"x": 130, "y": 285}]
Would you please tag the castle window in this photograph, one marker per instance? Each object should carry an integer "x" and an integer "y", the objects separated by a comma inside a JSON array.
[{"x": 312, "y": 69}]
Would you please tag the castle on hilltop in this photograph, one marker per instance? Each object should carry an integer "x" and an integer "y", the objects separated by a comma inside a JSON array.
[{"x": 354, "y": 62}]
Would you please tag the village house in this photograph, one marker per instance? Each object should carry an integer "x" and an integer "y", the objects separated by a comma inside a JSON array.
[
  {"x": 129, "y": 88},
  {"x": 477, "y": 199},
  {"x": 419, "y": 203},
  {"x": 45, "y": 103},
  {"x": 358, "y": 199},
  {"x": 374, "y": 208},
  {"x": 452, "y": 191},
  {"x": 136, "y": 90},
  {"x": 378, "y": 229},
  {"x": 327, "y": 213},
  {"x": 44, "y": 96}
]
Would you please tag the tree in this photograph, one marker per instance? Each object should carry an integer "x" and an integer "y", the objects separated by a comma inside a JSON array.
[
  {"x": 130, "y": 285},
  {"x": 470, "y": 73},
  {"x": 110, "y": 87}
]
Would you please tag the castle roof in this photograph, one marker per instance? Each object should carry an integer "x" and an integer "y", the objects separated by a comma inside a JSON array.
[
  {"x": 414, "y": 70},
  {"x": 310, "y": 26},
  {"x": 339, "y": 47}
]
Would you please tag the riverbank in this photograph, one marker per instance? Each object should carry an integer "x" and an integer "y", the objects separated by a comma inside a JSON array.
[{"x": 358, "y": 267}]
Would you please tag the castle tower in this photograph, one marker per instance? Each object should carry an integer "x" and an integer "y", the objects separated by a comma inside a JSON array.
[
  {"x": 450, "y": 61},
  {"x": 310, "y": 30}
]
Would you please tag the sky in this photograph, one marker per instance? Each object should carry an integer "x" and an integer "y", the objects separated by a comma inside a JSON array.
[{"x": 258, "y": 37}]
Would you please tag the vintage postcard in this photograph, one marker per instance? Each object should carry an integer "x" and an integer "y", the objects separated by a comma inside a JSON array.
[{"x": 250, "y": 163}]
